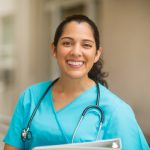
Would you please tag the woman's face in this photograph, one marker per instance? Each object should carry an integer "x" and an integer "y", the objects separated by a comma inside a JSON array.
[{"x": 76, "y": 50}]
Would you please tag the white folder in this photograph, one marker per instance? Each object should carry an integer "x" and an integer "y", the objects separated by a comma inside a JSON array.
[{"x": 112, "y": 144}]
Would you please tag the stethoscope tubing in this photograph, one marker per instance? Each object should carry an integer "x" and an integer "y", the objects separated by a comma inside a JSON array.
[
  {"x": 82, "y": 117},
  {"x": 38, "y": 104},
  {"x": 25, "y": 131},
  {"x": 26, "y": 134}
]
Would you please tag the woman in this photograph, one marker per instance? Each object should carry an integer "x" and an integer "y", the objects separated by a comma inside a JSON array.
[{"x": 77, "y": 50}]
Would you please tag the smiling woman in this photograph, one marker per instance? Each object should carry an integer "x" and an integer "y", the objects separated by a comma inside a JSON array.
[
  {"x": 45, "y": 110},
  {"x": 76, "y": 50}
]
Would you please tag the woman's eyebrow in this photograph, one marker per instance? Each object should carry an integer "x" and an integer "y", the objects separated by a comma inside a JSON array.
[
  {"x": 67, "y": 38},
  {"x": 85, "y": 40}
]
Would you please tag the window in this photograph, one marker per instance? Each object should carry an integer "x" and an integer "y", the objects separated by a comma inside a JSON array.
[
  {"x": 7, "y": 43},
  {"x": 6, "y": 50}
]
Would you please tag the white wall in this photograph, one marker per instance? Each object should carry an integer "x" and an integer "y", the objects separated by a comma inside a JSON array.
[{"x": 125, "y": 29}]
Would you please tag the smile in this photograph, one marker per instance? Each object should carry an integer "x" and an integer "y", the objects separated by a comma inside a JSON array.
[{"x": 75, "y": 63}]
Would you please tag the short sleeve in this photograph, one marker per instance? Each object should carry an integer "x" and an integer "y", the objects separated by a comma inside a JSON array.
[
  {"x": 124, "y": 125},
  {"x": 13, "y": 136}
]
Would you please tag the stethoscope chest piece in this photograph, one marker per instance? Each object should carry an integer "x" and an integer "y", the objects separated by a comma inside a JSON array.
[{"x": 26, "y": 134}]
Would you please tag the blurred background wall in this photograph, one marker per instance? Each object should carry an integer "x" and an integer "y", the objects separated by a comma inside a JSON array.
[{"x": 26, "y": 31}]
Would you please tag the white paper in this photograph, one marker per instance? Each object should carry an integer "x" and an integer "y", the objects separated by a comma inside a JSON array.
[{"x": 112, "y": 144}]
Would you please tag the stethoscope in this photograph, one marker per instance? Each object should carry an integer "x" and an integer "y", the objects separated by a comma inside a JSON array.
[{"x": 26, "y": 134}]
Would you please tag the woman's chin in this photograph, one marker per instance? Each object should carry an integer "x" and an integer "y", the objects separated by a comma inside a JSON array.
[{"x": 76, "y": 75}]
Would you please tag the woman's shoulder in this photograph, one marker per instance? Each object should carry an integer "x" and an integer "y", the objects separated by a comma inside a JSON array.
[
  {"x": 37, "y": 87},
  {"x": 121, "y": 121},
  {"x": 34, "y": 91},
  {"x": 112, "y": 102},
  {"x": 117, "y": 110}
]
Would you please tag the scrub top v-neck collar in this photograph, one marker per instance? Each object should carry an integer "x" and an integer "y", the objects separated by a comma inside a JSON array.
[
  {"x": 70, "y": 103},
  {"x": 56, "y": 113}
]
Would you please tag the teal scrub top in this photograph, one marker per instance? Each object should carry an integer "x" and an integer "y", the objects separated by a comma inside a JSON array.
[{"x": 51, "y": 127}]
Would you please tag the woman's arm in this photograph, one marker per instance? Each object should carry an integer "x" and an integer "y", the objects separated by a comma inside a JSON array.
[
  {"x": 8, "y": 147},
  {"x": 15, "y": 127}
]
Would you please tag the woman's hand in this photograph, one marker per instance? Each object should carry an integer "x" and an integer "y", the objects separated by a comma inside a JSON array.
[{"x": 8, "y": 147}]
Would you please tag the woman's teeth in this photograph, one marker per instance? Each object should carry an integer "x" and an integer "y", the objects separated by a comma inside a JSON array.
[{"x": 76, "y": 63}]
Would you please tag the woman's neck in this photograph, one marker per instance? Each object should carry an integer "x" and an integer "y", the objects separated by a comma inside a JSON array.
[{"x": 69, "y": 85}]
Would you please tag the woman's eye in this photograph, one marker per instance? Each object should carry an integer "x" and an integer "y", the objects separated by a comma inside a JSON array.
[
  {"x": 67, "y": 44},
  {"x": 87, "y": 46}
]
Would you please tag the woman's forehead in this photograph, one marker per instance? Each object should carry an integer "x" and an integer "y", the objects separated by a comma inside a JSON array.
[{"x": 75, "y": 28}]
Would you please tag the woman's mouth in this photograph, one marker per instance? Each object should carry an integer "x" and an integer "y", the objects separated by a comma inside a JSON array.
[{"x": 75, "y": 64}]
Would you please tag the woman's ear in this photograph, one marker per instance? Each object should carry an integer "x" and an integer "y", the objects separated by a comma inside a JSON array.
[
  {"x": 98, "y": 54},
  {"x": 53, "y": 48}
]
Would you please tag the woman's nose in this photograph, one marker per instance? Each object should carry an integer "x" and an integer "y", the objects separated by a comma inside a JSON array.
[{"x": 76, "y": 50}]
